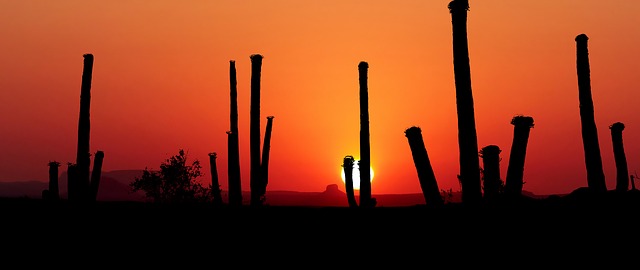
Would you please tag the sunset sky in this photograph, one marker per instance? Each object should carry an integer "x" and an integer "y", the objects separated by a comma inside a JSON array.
[{"x": 161, "y": 83}]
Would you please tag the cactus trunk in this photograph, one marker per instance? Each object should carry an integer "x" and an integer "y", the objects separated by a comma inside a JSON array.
[
  {"x": 622, "y": 171},
  {"x": 491, "y": 173},
  {"x": 515, "y": 170},
  {"x": 83, "y": 156},
  {"x": 234, "y": 181},
  {"x": 364, "y": 164},
  {"x": 426, "y": 176},
  {"x": 467, "y": 137},
  {"x": 254, "y": 131},
  {"x": 72, "y": 182},
  {"x": 96, "y": 174},
  {"x": 215, "y": 183},
  {"x": 347, "y": 165},
  {"x": 593, "y": 160},
  {"x": 266, "y": 148},
  {"x": 54, "y": 190}
]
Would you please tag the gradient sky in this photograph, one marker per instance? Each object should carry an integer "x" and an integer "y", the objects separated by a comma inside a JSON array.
[{"x": 161, "y": 83}]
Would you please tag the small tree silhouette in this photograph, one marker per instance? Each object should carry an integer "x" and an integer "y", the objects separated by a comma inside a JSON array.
[{"x": 175, "y": 182}]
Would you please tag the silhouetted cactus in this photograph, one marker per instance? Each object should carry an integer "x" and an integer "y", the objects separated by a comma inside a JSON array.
[
  {"x": 83, "y": 156},
  {"x": 467, "y": 137},
  {"x": 53, "y": 192},
  {"x": 515, "y": 170},
  {"x": 96, "y": 174},
  {"x": 426, "y": 176},
  {"x": 254, "y": 131},
  {"x": 622, "y": 171},
  {"x": 593, "y": 160},
  {"x": 347, "y": 164},
  {"x": 266, "y": 148},
  {"x": 364, "y": 164},
  {"x": 233, "y": 165},
  {"x": 492, "y": 183},
  {"x": 216, "y": 193},
  {"x": 235, "y": 188},
  {"x": 72, "y": 182}
]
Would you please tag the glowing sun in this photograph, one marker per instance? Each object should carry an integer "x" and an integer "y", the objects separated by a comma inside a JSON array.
[{"x": 356, "y": 176}]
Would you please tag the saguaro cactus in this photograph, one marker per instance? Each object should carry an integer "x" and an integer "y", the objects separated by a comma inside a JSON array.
[
  {"x": 515, "y": 170},
  {"x": 235, "y": 189},
  {"x": 254, "y": 131},
  {"x": 347, "y": 165},
  {"x": 493, "y": 185},
  {"x": 83, "y": 156},
  {"x": 426, "y": 176},
  {"x": 365, "y": 143},
  {"x": 622, "y": 171},
  {"x": 215, "y": 184},
  {"x": 72, "y": 182},
  {"x": 593, "y": 160},
  {"x": 54, "y": 190},
  {"x": 467, "y": 137},
  {"x": 233, "y": 165},
  {"x": 266, "y": 148},
  {"x": 96, "y": 174}
]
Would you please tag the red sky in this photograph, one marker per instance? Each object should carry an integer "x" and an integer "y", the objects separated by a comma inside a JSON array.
[{"x": 161, "y": 83}]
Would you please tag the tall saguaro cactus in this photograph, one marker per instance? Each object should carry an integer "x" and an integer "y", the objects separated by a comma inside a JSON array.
[
  {"x": 622, "y": 171},
  {"x": 347, "y": 165},
  {"x": 593, "y": 160},
  {"x": 467, "y": 137},
  {"x": 493, "y": 185},
  {"x": 83, "y": 156},
  {"x": 365, "y": 143},
  {"x": 96, "y": 174},
  {"x": 426, "y": 176},
  {"x": 515, "y": 171},
  {"x": 254, "y": 131},
  {"x": 54, "y": 190},
  {"x": 215, "y": 184},
  {"x": 266, "y": 148},
  {"x": 233, "y": 165}
]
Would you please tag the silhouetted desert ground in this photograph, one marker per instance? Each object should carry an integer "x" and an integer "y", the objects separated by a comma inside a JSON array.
[
  {"x": 532, "y": 231},
  {"x": 318, "y": 228}
]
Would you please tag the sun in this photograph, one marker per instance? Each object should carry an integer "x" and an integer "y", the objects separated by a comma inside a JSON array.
[{"x": 356, "y": 176}]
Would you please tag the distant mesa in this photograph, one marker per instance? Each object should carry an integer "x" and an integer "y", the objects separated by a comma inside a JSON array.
[{"x": 333, "y": 190}]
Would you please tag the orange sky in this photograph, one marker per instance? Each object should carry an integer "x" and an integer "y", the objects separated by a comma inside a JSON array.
[{"x": 161, "y": 83}]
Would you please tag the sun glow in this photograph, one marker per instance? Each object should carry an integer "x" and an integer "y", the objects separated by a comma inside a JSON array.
[{"x": 356, "y": 176}]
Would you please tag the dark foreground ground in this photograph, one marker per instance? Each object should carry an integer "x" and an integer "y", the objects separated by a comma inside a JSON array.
[{"x": 574, "y": 229}]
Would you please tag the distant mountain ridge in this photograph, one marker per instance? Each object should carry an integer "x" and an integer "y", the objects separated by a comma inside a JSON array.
[{"x": 114, "y": 186}]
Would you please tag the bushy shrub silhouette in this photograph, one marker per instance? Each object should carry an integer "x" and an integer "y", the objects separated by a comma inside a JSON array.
[{"x": 175, "y": 182}]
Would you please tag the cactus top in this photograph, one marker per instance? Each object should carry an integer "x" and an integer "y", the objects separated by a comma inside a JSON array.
[
  {"x": 582, "y": 37},
  {"x": 617, "y": 126},
  {"x": 458, "y": 5}
]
